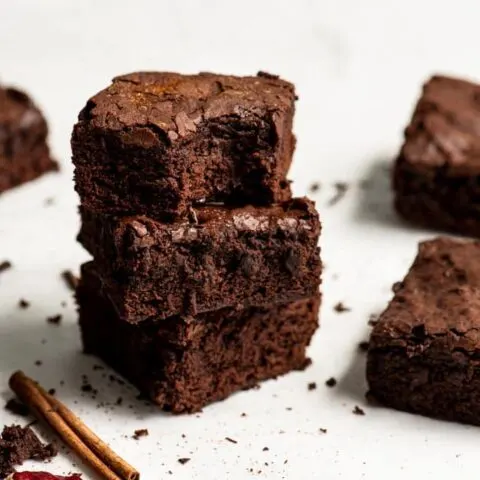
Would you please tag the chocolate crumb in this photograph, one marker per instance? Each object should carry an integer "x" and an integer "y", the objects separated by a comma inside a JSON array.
[
  {"x": 265, "y": 449},
  {"x": 285, "y": 462},
  {"x": 38, "y": 363},
  {"x": 54, "y": 320},
  {"x": 331, "y": 382},
  {"x": 373, "y": 320},
  {"x": 231, "y": 440},
  {"x": 341, "y": 189},
  {"x": 358, "y": 411},
  {"x": 243, "y": 414},
  {"x": 5, "y": 265},
  {"x": 183, "y": 461},
  {"x": 22, "y": 303},
  {"x": 314, "y": 187},
  {"x": 143, "y": 432},
  {"x": 363, "y": 346},
  {"x": 340, "y": 307},
  {"x": 70, "y": 279},
  {"x": 312, "y": 386},
  {"x": 18, "y": 408},
  {"x": 322, "y": 430},
  {"x": 19, "y": 444},
  {"x": 52, "y": 391}
]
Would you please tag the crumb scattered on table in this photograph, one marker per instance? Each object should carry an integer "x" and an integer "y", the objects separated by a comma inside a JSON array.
[
  {"x": 231, "y": 440},
  {"x": 312, "y": 386},
  {"x": 5, "y": 265},
  {"x": 358, "y": 411},
  {"x": 142, "y": 432},
  {"x": 331, "y": 382},
  {"x": 341, "y": 189},
  {"x": 70, "y": 279},
  {"x": 315, "y": 187},
  {"x": 183, "y": 461},
  {"x": 22, "y": 303},
  {"x": 54, "y": 320},
  {"x": 340, "y": 307}
]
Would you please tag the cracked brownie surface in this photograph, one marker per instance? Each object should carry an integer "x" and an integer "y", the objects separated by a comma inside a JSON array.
[
  {"x": 424, "y": 353},
  {"x": 436, "y": 177},
  {"x": 155, "y": 143}
]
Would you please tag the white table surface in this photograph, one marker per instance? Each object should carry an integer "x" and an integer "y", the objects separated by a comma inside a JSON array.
[{"x": 358, "y": 67}]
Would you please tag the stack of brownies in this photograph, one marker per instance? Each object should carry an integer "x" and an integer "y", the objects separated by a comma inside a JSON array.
[{"x": 205, "y": 278}]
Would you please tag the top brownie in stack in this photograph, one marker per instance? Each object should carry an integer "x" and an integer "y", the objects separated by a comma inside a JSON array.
[{"x": 156, "y": 143}]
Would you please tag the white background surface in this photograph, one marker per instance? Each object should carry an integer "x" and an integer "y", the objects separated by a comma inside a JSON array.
[{"x": 358, "y": 67}]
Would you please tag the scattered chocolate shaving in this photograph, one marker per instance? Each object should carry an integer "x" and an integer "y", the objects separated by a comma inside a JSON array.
[
  {"x": 19, "y": 444},
  {"x": 322, "y": 430},
  {"x": 22, "y": 303},
  {"x": 18, "y": 408},
  {"x": 358, "y": 411},
  {"x": 142, "y": 432},
  {"x": 312, "y": 386},
  {"x": 340, "y": 307},
  {"x": 54, "y": 320},
  {"x": 183, "y": 461},
  {"x": 70, "y": 279},
  {"x": 314, "y": 187},
  {"x": 231, "y": 440},
  {"x": 363, "y": 346},
  {"x": 5, "y": 265},
  {"x": 331, "y": 382},
  {"x": 341, "y": 189}
]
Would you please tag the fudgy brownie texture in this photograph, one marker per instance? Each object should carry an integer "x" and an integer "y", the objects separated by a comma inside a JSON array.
[
  {"x": 24, "y": 153},
  {"x": 437, "y": 175},
  {"x": 424, "y": 354},
  {"x": 220, "y": 257},
  {"x": 185, "y": 362},
  {"x": 155, "y": 143}
]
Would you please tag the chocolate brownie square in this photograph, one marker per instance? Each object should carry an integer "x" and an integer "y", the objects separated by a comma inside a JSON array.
[
  {"x": 24, "y": 153},
  {"x": 424, "y": 352},
  {"x": 220, "y": 257},
  {"x": 186, "y": 362},
  {"x": 155, "y": 143},
  {"x": 437, "y": 175}
]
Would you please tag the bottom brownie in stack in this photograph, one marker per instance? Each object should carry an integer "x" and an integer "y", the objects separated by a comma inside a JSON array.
[{"x": 185, "y": 362}]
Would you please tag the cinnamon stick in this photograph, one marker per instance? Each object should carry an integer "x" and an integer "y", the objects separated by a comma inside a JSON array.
[{"x": 72, "y": 430}]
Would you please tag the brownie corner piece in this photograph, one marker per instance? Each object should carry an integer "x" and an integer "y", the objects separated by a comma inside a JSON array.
[
  {"x": 183, "y": 363},
  {"x": 423, "y": 353},
  {"x": 436, "y": 176},
  {"x": 24, "y": 153},
  {"x": 184, "y": 139}
]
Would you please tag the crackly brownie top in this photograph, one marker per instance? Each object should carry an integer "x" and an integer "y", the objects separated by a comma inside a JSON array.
[
  {"x": 17, "y": 111},
  {"x": 445, "y": 128},
  {"x": 440, "y": 296},
  {"x": 294, "y": 217},
  {"x": 175, "y": 104}
]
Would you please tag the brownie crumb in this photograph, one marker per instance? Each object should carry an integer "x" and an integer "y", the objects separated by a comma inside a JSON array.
[
  {"x": 314, "y": 187},
  {"x": 22, "y": 303},
  {"x": 38, "y": 363},
  {"x": 142, "y": 432},
  {"x": 5, "y": 265},
  {"x": 52, "y": 391},
  {"x": 19, "y": 444},
  {"x": 358, "y": 411},
  {"x": 331, "y": 382},
  {"x": 243, "y": 414},
  {"x": 373, "y": 320},
  {"x": 363, "y": 346},
  {"x": 183, "y": 461},
  {"x": 340, "y": 307},
  {"x": 341, "y": 189},
  {"x": 54, "y": 320},
  {"x": 322, "y": 430},
  {"x": 312, "y": 386},
  {"x": 231, "y": 440},
  {"x": 18, "y": 408},
  {"x": 265, "y": 449},
  {"x": 70, "y": 279}
]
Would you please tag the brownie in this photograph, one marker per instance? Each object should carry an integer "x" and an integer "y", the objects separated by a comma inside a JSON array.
[
  {"x": 220, "y": 257},
  {"x": 424, "y": 354},
  {"x": 437, "y": 174},
  {"x": 154, "y": 143},
  {"x": 24, "y": 153},
  {"x": 185, "y": 362}
]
